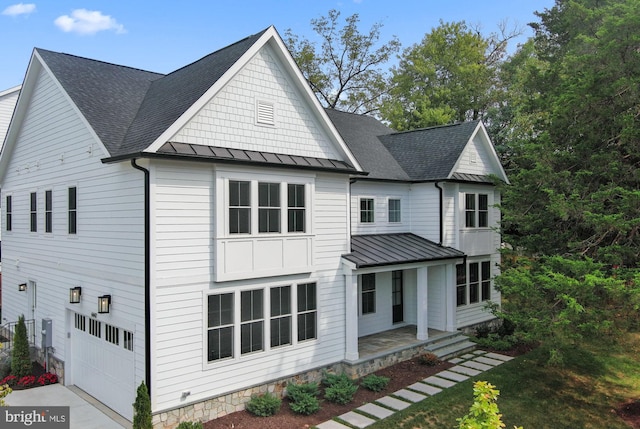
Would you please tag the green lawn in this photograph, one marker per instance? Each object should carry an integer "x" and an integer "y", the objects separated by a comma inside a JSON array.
[{"x": 582, "y": 394}]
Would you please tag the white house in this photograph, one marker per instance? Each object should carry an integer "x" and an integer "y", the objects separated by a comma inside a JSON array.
[{"x": 236, "y": 232}]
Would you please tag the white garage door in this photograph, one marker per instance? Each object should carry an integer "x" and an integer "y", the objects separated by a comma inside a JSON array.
[{"x": 103, "y": 363}]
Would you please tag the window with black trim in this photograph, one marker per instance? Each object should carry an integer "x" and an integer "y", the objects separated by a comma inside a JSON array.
[
  {"x": 239, "y": 207},
  {"x": 48, "y": 211},
  {"x": 461, "y": 284},
  {"x": 280, "y": 322},
  {"x": 127, "y": 337},
  {"x": 307, "y": 311},
  {"x": 394, "y": 210},
  {"x": 219, "y": 326},
  {"x": 80, "y": 322},
  {"x": 95, "y": 328},
  {"x": 368, "y": 293},
  {"x": 112, "y": 334},
  {"x": 9, "y": 213},
  {"x": 486, "y": 280},
  {"x": 473, "y": 282},
  {"x": 268, "y": 207},
  {"x": 72, "y": 210},
  {"x": 296, "y": 208},
  {"x": 33, "y": 218},
  {"x": 251, "y": 321},
  {"x": 366, "y": 210}
]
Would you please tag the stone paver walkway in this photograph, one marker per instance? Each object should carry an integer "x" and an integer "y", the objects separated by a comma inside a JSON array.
[{"x": 468, "y": 365}]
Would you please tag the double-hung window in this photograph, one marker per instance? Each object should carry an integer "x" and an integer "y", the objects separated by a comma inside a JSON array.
[
  {"x": 251, "y": 321},
  {"x": 296, "y": 208},
  {"x": 473, "y": 282},
  {"x": 366, "y": 210},
  {"x": 268, "y": 207},
  {"x": 486, "y": 280},
  {"x": 9, "y": 213},
  {"x": 73, "y": 207},
  {"x": 461, "y": 284},
  {"x": 368, "y": 293},
  {"x": 280, "y": 316},
  {"x": 33, "y": 218},
  {"x": 394, "y": 210},
  {"x": 307, "y": 311},
  {"x": 48, "y": 211},
  {"x": 220, "y": 326},
  {"x": 476, "y": 210},
  {"x": 239, "y": 207}
]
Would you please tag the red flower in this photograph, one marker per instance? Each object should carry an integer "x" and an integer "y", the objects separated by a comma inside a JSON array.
[
  {"x": 27, "y": 381},
  {"x": 9, "y": 379},
  {"x": 47, "y": 378}
]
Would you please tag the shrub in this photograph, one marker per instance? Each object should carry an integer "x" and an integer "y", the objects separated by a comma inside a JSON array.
[
  {"x": 295, "y": 391},
  {"x": 264, "y": 405},
  {"x": 374, "y": 382},
  {"x": 142, "y": 409},
  {"x": 20, "y": 361},
  {"x": 428, "y": 359},
  {"x": 329, "y": 379},
  {"x": 190, "y": 425},
  {"x": 484, "y": 412},
  {"x": 4, "y": 391},
  {"x": 305, "y": 404},
  {"x": 341, "y": 390}
]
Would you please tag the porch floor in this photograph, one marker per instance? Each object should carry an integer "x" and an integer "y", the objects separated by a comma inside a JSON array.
[{"x": 404, "y": 336}]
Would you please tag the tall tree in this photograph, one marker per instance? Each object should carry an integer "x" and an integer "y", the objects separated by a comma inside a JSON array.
[
  {"x": 345, "y": 72},
  {"x": 451, "y": 76},
  {"x": 577, "y": 178}
]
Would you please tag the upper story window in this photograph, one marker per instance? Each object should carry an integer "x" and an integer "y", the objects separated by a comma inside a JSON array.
[
  {"x": 239, "y": 207},
  {"x": 33, "y": 218},
  {"x": 366, "y": 210},
  {"x": 368, "y": 293},
  {"x": 48, "y": 211},
  {"x": 73, "y": 207},
  {"x": 9, "y": 213},
  {"x": 394, "y": 210},
  {"x": 268, "y": 207},
  {"x": 296, "y": 208},
  {"x": 258, "y": 206},
  {"x": 476, "y": 210}
]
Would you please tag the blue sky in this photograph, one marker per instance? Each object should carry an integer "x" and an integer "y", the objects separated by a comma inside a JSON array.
[{"x": 164, "y": 35}]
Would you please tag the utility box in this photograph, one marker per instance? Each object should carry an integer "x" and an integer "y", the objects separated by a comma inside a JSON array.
[{"x": 47, "y": 333}]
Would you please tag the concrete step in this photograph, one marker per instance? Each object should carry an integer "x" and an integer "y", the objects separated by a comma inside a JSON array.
[{"x": 451, "y": 346}]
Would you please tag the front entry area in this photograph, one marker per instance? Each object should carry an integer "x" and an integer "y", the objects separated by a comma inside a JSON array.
[{"x": 102, "y": 362}]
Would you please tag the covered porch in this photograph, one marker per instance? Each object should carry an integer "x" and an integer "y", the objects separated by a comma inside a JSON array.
[{"x": 400, "y": 293}]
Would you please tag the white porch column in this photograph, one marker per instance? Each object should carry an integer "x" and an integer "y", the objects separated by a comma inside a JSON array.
[
  {"x": 423, "y": 283},
  {"x": 450, "y": 297},
  {"x": 351, "y": 316}
]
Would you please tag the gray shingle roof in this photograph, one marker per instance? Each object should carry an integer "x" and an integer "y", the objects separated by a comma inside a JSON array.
[
  {"x": 129, "y": 108},
  {"x": 392, "y": 249}
]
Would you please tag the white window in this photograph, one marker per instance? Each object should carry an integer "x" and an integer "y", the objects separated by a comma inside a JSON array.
[
  {"x": 394, "y": 210},
  {"x": 476, "y": 209},
  {"x": 368, "y": 293},
  {"x": 239, "y": 207},
  {"x": 473, "y": 282},
  {"x": 48, "y": 211},
  {"x": 251, "y": 321},
  {"x": 73, "y": 208},
  {"x": 280, "y": 316},
  {"x": 307, "y": 312},
  {"x": 296, "y": 208},
  {"x": 33, "y": 218},
  {"x": 9, "y": 209},
  {"x": 366, "y": 210},
  {"x": 268, "y": 207},
  {"x": 220, "y": 326}
]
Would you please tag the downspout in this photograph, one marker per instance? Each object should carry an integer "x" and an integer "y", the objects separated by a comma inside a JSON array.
[
  {"x": 441, "y": 216},
  {"x": 147, "y": 277}
]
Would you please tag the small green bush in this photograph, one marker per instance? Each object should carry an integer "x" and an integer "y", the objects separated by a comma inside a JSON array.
[
  {"x": 295, "y": 391},
  {"x": 429, "y": 359},
  {"x": 305, "y": 404},
  {"x": 190, "y": 425},
  {"x": 329, "y": 379},
  {"x": 341, "y": 391},
  {"x": 374, "y": 382},
  {"x": 21, "y": 365},
  {"x": 264, "y": 405},
  {"x": 142, "y": 409}
]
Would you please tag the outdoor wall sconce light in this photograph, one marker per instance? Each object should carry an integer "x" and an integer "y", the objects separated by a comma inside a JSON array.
[
  {"x": 22, "y": 287},
  {"x": 74, "y": 295},
  {"x": 104, "y": 302}
]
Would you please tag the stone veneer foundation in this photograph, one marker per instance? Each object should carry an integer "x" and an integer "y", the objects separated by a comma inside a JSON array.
[{"x": 226, "y": 404}]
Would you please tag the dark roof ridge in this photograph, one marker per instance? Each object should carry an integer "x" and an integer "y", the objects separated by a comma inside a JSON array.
[
  {"x": 99, "y": 61},
  {"x": 434, "y": 127}
]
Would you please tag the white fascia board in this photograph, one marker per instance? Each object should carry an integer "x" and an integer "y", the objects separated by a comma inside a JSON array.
[{"x": 10, "y": 90}]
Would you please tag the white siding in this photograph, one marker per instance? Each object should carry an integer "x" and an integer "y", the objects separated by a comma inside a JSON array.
[
  {"x": 381, "y": 193},
  {"x": 54, "y": 150},
  {"x": 229, "y": 119},
  {"x": 182, "y": 286},
  {"x": 382, "y": 319},
  {"x": 8, "y": 99},
  {"x": 425, "y": 207},
  {"x": 475, "y": 159},
  {"x": 436, "y": 314}
]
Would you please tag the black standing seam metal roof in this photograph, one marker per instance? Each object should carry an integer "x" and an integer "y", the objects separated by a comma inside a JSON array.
[{"x": 373, "y": 250}]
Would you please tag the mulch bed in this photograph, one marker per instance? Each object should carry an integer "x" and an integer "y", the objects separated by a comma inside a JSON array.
[
  {"x": 401, "y": 375},
  {"x": 630, "y": 413}
]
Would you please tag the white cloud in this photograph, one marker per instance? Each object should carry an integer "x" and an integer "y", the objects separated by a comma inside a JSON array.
[
  {"x": 84, "y": 21},
  {"x": 19, "y": 9}
]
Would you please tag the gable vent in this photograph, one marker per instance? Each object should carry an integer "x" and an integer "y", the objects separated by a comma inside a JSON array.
[{"x": 265, "y": 113}]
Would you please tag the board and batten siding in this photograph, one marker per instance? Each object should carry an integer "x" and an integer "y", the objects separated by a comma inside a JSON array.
[
  {"x": 184, "y": 202},
  {"x": 229, "y": 119},
  {"x": 54, "y": 151}
]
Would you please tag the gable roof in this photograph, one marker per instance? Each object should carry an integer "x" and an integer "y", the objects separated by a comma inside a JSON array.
[{"x": 374, "y": 250}]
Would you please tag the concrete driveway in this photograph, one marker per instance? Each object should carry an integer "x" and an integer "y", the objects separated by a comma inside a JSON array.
[{"x": 85, "y": 411}]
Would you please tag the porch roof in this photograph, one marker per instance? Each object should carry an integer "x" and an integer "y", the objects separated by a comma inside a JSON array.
[{"x": 373, "y": 250}]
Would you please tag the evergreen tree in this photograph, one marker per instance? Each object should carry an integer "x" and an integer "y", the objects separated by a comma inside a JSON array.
[
  {"x": 20, "y": 361},
  {"x": 142, "y": 409}
]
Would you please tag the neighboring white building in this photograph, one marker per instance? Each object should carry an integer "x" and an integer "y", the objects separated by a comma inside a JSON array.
[
  {"x": 240, "y": 233},
  {"x": 8, "y": 99}
]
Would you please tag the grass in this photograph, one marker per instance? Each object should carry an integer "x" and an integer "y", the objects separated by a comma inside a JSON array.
[{"x": 583, "y": 393}]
